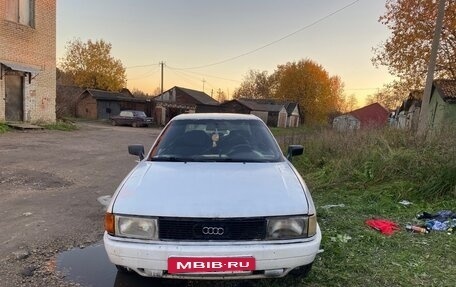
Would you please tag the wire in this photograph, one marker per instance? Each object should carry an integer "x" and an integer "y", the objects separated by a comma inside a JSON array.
[
  {"x": 275, "y": 41},
  {"x": 205, "y": 75},
  {"x": 142, "y": 66},
  {"x": 183, "y": 76},
  {"x": 149, "y": 73}
]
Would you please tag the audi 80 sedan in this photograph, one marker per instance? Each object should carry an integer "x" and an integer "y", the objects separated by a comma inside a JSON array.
[{"x": 214, "y": 198}]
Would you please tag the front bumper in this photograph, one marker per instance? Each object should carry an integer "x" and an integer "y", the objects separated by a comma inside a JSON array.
[{"x": 273, "y": 258}]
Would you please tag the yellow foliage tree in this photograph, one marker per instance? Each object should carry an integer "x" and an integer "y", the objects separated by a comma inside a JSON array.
[
  {"x": 92, "y": 66},
  {"x": 309, "y": 84},
  {"x": 256, "y": 85},
  {"x": 406, "y": 52}
]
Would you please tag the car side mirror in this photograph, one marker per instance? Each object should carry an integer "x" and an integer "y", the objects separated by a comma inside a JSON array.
[
  {"x": 136, "y": 149},
  {"x": 294, "y": 150}
]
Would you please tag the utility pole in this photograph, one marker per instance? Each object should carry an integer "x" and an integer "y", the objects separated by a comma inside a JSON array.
[
  {"x": 424, "y": 113},
  {"x": 204, "y": 81},
  {"x": 161, "y": 86}
]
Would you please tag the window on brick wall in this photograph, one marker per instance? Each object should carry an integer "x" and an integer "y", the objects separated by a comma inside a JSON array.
[{"x": 21, "y": 11}]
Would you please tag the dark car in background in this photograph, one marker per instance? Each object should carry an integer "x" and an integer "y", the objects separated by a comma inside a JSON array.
[{"x": 131, "y": 118}]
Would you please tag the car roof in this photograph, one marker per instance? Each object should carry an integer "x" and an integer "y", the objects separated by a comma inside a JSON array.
[{"x": 215, "y": 116}]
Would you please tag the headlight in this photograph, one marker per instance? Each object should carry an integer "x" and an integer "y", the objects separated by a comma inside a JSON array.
[
  {"x": 292, "y": 227},
  {"x": 136, "y": 227}
]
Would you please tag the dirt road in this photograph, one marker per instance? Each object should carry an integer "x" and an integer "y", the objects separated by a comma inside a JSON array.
[{"x": 49, "y": 185}]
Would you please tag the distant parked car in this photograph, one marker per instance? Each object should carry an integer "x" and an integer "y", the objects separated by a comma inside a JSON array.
[
  {"x": 131, "y": 118},
  {"x": 214, "y": 198}
]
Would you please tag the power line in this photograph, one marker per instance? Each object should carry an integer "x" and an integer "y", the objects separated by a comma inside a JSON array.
[
  {"x": 142, "y": 66},
  {"x": 205, "y": 75},
  {"x": 275, "y": 41},
  {"x": 186, "y": 78},
  {"x": 144, "y": 75},
  {"x": 191, "y": 77}
]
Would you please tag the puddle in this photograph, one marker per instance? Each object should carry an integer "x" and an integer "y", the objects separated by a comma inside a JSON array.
[{"x": 91, "y": 267}]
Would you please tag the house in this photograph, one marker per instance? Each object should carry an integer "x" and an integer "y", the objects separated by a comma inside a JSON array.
[
  {"x": 413, "y": 108},
  {"x": 371, "y": 116},
  {"x": 407, "y": 115},
  {"x": 442, "y": 104},
  {"x": 293, "y": 114},
  {"x": 273, "y": 113},
  {"x": 99, "y": 104},
  {"x": 27, "y": 60},
  {"x": 178, "y": 100}
]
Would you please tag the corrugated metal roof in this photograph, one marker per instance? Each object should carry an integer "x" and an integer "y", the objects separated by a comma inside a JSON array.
[
  {"x": 113, "y": 96},
  {"x": 374, "y": 114},
  {"x": 199, "y": 96},
  {"x": 254, "y": 105}
]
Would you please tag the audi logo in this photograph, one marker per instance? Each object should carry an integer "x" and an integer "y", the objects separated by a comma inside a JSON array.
[{"x": 209, "y": 230}]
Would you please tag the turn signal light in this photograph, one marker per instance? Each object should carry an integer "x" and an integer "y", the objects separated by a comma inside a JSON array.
[{"x": 109, "y": 223}]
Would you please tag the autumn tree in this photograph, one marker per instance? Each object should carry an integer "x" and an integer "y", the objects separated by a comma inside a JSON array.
[
  {"x": 140, "y": 93},
  {"x": 406, "y": 53},
  {"x": 391, "y": 95},
  {"x": 63, "y": 78},
  {"x": 256, "y": 85},
  {"x": 337, "y": 91},
  {"x": 309, "y": 84},
  {"x": 91, "y": 65},
  {"x": 220, "y": 96}
]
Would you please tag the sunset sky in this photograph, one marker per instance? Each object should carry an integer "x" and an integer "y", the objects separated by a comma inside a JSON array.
[{"x": 193, "y": 33}]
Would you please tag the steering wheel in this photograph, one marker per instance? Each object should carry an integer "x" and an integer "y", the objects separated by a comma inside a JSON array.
[{"x": 240, "y": 148}]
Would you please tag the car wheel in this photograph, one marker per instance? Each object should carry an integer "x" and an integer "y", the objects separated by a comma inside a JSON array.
[
  {"x": 134, "y": 124},
  {"x": 123, "y": 269},
  {"x": 301, "y": 271},
  {"x": 113, "y": 123}
]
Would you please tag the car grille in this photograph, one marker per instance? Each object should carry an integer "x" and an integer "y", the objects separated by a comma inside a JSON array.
[{"x": 212, "y": 229}]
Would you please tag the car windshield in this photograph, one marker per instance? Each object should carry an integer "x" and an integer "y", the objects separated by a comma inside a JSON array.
[{"x": 216, "y": 141}]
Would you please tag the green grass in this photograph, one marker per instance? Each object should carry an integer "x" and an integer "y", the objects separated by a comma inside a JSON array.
[
  {"x": 4, "y": 128},
  {"x": 61, "y": 126},
  {"x": 370, "y": 172}
]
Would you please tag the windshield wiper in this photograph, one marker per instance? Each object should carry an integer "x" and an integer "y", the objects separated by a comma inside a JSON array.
[{"x": 172, "y": 159}]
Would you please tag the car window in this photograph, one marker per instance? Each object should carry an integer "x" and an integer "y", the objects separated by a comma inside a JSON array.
[
  {"x": 217, "y": 141},
  {"x": 139, "y": 114},
  {"x": 126, "y": 114}
]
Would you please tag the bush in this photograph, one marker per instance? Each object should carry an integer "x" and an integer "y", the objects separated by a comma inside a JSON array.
[{"x": 4, "y": 128}]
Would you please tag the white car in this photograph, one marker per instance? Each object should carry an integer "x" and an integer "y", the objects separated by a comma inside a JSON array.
[{"x": 213, "y": 199}]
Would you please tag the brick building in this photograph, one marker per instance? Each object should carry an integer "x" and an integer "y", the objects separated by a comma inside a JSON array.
[{"x": 27, "y": 60}]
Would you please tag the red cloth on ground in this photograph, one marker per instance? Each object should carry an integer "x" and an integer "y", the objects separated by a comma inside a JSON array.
[{"x": 384, "y": 226}]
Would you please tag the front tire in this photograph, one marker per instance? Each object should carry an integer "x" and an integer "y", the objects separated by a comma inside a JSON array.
[
  {"x": 123, "y": 269},
  {"x": 301, "y": 271}
]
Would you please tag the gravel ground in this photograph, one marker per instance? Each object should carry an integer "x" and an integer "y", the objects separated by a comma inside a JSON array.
[{"x": 49, "y": 185}]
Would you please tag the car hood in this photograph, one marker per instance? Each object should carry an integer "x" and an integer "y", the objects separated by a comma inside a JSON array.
[{"x": 215, "y": 189}]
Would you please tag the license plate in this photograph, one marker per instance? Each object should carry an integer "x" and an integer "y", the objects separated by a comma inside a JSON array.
[{"x": 210, "y": 264}]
